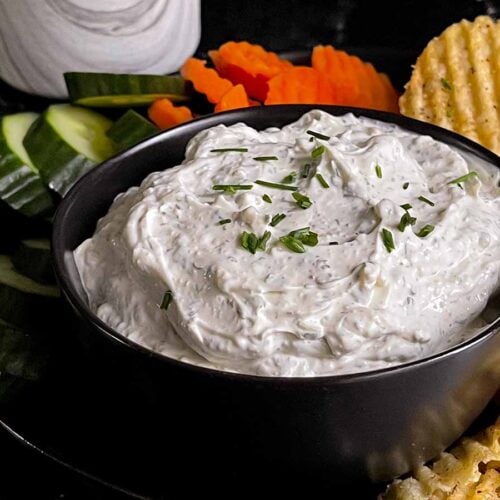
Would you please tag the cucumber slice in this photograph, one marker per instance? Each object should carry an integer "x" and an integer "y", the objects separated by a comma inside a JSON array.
[
  {"x": 116, "y": 90},
  {"x": 66, "y": 142},
  {"x": 21, "y": 355},
  {"x": 24, "y": 302},
  {"x": 21, "y": 186},
  {"x": 130, "y": 129},
  {"x": 32, "y": 258}
]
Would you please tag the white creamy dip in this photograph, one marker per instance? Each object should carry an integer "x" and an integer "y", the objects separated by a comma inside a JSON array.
[{"x": 344, "y": 305}]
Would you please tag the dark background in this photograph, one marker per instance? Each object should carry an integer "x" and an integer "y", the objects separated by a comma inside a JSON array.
[{"x": 405, "y": 25}]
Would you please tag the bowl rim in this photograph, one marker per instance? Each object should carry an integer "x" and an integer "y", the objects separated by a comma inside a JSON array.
[{"x": 59, "y": 253}]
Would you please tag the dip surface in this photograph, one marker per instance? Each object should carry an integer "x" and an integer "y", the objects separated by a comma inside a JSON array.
[{"x": 368, "y": 295}]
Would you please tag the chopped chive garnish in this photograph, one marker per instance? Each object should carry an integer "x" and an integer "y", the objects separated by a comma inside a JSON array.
[
  {"x": 302, "y": 201},
  {"x": 306, "y": 169},
  {"x": 405, "y": 185},
  {"x": 249, "y": 241},
  {"x": 322, "y": 181},
  {"x": 224, "y": 221},
  {"x": 406, "y": 206},
  {"x": 427, "y": 229},
  {"x": 276, "y": 219},
  {"x": 446, "y": 84},
  {"x": 263, "y": 241},
  {"x": 292, "y": 244},
  {"x": 232, "y": 188},
  {"x": 305, "y": 236},
  {"x": 167, "y": 299},
  {"x": 378, "y": 171},
  {"x": 267, "y": 198},
  {"x": 265, "y": 158},
  {"x": 276, "y": 185},
  {"x": 225, "y": 150},
  {"x": 425, "y": 200},
  {"x": 317, "y": 152},
  {"x": 388, "y": 240},
  {"x": 318, "y": 135},
  {"x": 464, "y": 178},
  {"x": 406, "y": 220},
  {"x": 333, "y": 243},
  {"x": 289, "y": 178}
]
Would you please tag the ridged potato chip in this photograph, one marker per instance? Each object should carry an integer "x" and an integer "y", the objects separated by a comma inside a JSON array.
[
  {"x": 456, "y": 82},
  {"x": 471, "y": 471}
]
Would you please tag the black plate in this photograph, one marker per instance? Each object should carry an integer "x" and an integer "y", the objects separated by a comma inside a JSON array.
[{"x": 75, "y": 416}]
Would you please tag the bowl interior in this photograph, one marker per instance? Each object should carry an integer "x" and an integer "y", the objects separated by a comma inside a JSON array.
[{"x": 92, "y": 196}]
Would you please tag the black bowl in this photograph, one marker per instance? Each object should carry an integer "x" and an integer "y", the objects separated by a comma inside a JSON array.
[{"x": 368, "y": 426}]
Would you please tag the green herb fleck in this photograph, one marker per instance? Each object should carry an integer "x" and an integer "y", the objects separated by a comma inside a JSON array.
[
  {"x": 305, "y": 236},
  {"x": 263, "y": 240},
  {"x": 378, "y": 171},
  {"x": 265, "y": 158},
  {"x": 289, "y": 178},
  {"x": 405, "y": 185},
  {"x": 276, "y": 185},
  {"x": 318, "y": 135},
  {"x": 276, "y": 219},
  {"x": 388, "y": 240},
  {"x": 406, "y": 206},
  {"x": 231, "y": 188},
  {"x": 406, "y": 220},
  {"x": 427, "y": 229},
  {"x": 317, "y": 152},
  {"x": 226, "y": 150},
  {"x": 267, "y": 198},
  {"x": 249, "y": 241},
  {"x": 167, "y": 299},
  {"x": 224, "y": 221},
  {"x": 322, "y": 181},
  {"x": 306, "y": 169},
  {"x": 446, "y": 84},
  {"x": 302, "y": 200},
  {"x": 333, "y": 243},
  {"x": 292, "y": 244},
  {"x": 464, "y": 178},
  {"x": 425, "y": 200}
]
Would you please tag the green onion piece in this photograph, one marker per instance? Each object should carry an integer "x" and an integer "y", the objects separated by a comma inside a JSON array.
[
  {"x": 225, "y": 150},
  {"x": 322, "y": 181},
  {"x": 425, "y": 200},
  {"x": 406, "y": 220},
  {"x": 231, "y": 188},
  {"x": 388, "y": 240},
  {"x": 249, "y": 241},
  {"x": 289, "y": 178},
  {"x": 378, "y": 171},
  {"x": 302, "y": 201},
  {"x": 446, "y": 84},
  {"x": 305, "y": 236},
  {"x": 276, "y": 219},
  {"x": 318, "y": 135},
  {"x": 464, "y": 178},
  {"x": 427, "y": 229},
  {"x": 167, "y": 299},
  {"x": 265, "y": 158},
  {"x": 292, "y": 244},
  {"x": 317, "y": 152},
  {"x": 267, "y": 198},
  {"x": 224, "y": 221},
  {"x": 406, "y": 206},
  {"x": 306, "y": 169},
  {"x": 276, "y": 185},
  {"x": 261, "y": 245},
  {"x": 405, "y": 185}
]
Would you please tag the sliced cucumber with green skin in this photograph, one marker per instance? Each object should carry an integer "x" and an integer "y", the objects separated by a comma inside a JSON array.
[
  {"x": 66, "y": 142},
  {"x": 24, "y": 303},
  {"x": 32, "y": 258},
  {"x": 21, "y": 186},
  {"x": 130, "y": 129},
  {"x": 115, "y": 90},
  {"x": 21, "y": 355}
]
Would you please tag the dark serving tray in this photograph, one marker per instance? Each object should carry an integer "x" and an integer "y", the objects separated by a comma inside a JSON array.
[{"x": 76, "y": 417}]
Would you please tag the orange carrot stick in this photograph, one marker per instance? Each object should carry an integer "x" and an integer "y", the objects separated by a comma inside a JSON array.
[
  {"x": 164, "y": 114},
  {"x": 234, "y": 99}
]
